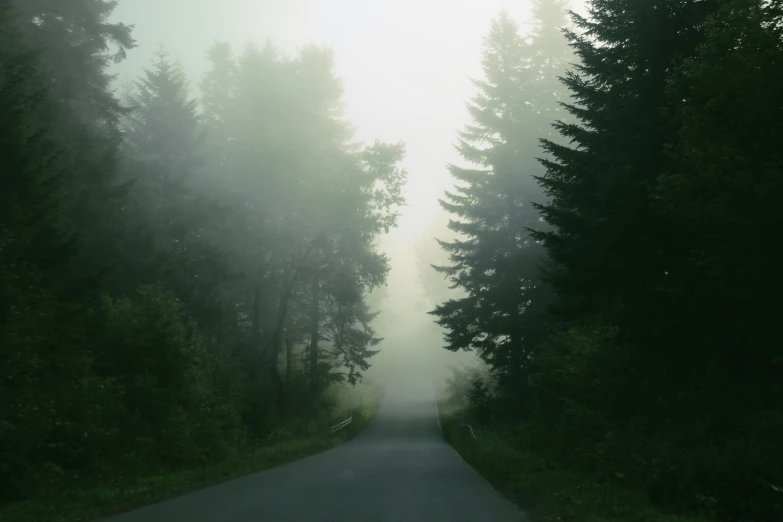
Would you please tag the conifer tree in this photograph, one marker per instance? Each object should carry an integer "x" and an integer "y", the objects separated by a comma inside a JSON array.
[
  {"x": 218, "y": 85},
  {"x": 218, "y": 89},
  {"x": 723, "y": 192},
  {"x": 41, "y": 314},
  {"x": 494, "y": 260},
  {"x": 31, "y": 196},
  {"x": 609, "y": 249},
  {"x": 165, "y": 149},
  {"x": 724, "y": 188},
  {"x": 77, "y": 38},
  {"x": 79, "y": 43},
  {"x": 662, "y": 225}
]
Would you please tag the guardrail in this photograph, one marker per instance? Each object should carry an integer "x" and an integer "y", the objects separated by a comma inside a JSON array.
[{"x": 343, "y": 424}]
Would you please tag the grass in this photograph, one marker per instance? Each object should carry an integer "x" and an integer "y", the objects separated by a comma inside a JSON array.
[
  {"x": 548, "y": 493},
  {"x": 78, "y": 505}
]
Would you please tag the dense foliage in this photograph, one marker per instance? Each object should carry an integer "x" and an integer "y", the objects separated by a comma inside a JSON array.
[
  {"x": 494, "y": 259},
  {"x": 179, "y": 276},
  {"x": 660, "y": 358}
]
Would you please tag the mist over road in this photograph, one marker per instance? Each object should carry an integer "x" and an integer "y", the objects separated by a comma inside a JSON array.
[{"x": 397, "y": 470}]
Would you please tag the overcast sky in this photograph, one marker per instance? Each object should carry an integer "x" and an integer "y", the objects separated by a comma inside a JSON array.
[{"x": 405, "y": 63}]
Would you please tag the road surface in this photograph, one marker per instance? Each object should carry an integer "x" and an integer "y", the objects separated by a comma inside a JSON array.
[{"x": 397, "y": 470}]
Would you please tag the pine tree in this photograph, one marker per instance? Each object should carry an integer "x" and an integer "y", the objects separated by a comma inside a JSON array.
[
  {"x": 218, "y": 89},
  {"x": 79, "y": 45},
  {"x": 228, "y": 90},
  {"x": 429, "y": 254},
  {"x": 77, "y": 37},
  {"x": 31, "y": 194},
  {"x": 724, "y": 193},
  {"x": 218, "y": 86},
  {"x": 164, "y": 131},
  {"x": 352, "y": 339},
  {"x": 165, "y": 148},
  {"x": 41, "y": 316},
  {"x": 163, "y": 141},
  {"x": 723, "y": 190},
  {"x": 609, "y": 248},
  {"x": 494, "y": 259},
  {"x": 663, "y": 245}
]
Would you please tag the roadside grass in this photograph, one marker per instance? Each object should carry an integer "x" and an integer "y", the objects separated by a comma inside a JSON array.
[
  {"x": 544, "y": 491},
  {"x": 83, "y": 504}
]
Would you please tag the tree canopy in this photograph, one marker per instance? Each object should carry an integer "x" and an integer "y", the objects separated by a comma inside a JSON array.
[
  {"x": 163, "y": 251},
  {"x": 651, "y": 351}
]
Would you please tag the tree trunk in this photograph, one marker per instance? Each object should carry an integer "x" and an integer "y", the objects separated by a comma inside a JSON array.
[
  {"x": 282, "y": 308},
  {"x": 256, "y": 323},
  {"x": 288, "y": 369},
  {"x": 289, "y": 347},
  {"x": 314, "y": 318},
  {"x": 275, "y": 344},
  {"x": 277, "y": 380},
  {"x": 255, "y": 331}
]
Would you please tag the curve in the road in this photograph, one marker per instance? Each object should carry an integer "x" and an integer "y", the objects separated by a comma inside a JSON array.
[{"x": 398, "y": 470}]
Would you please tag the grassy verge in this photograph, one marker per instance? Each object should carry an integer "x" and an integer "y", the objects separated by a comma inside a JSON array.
[
  {"x": 547, "y": 493},
  {"x": 79, "y": 505}
]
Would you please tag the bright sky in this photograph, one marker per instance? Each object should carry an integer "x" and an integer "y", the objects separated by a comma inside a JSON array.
[
  {"x": 406, "y": 67},
  {"x": 405, "y": 63}
]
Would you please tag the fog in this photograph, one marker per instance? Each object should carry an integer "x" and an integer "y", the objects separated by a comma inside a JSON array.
[
  {"x": 355, "y": 251},
  {"x": 406, "y": 68}
]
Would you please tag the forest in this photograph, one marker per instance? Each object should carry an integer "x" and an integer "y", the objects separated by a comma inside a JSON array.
[
  {"x": 179, "y": 276},
  {"x": 187, "y": 264},
  {"x": 613, "y": 249}
]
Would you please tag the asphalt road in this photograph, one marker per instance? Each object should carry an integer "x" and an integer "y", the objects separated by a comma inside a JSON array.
[{"x": 397, "y": 470}]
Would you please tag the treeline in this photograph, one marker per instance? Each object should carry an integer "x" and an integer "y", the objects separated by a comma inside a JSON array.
[
  {"x": 619, "y": 239},
  {"x": 179, "y": 276}
]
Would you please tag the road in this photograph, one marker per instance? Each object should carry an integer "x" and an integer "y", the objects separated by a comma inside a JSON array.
[{"x": 397, "y": 470}]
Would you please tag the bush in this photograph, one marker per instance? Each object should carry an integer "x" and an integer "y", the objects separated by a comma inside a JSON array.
[
  {"x": 178, "y": 397},
  {"x": 123, "y": 390},
  {"x": 702, "y": 446},
  {"x": 55, "y": 413}
]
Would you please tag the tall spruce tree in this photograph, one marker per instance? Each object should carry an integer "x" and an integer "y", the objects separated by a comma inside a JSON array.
[
  {"x": 610, "y": 250},
  {"x": 724, "y": 193},
  {"x": 77, "y": 37},
  {"x": 723, "y": 187},
  {"x": 662, "y": 249},
  {"x": 612, "y": 262},
  {"x": 49, "y": 408},
  {"x": 34, "y": 169},
  {"x": 165, "y": 150},
  {"x": 79, "y": 45},
  {"x": 494, "y": 260}
]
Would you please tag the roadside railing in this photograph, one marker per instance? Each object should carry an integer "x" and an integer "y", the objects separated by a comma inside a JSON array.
[
  {"x": 470, "y": 428},
  {"x": 343, "y": 424}
]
